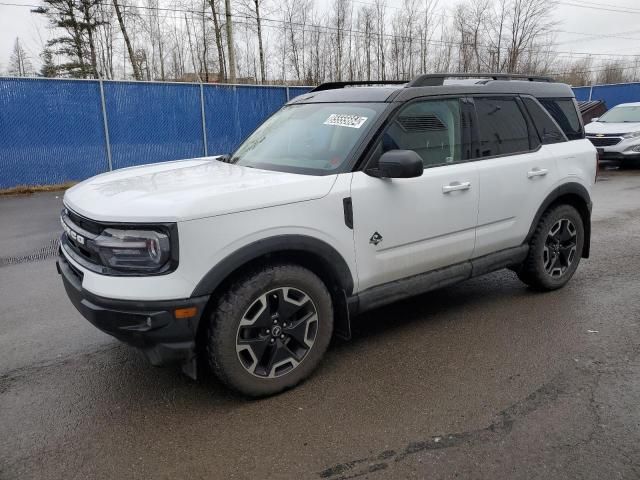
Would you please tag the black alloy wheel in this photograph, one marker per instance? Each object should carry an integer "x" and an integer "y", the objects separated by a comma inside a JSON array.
[
  {"x": 560, "y": 247},
  {"x": 276, "y": 332}
]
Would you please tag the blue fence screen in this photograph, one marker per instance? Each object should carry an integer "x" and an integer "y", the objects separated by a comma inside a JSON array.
[
  {"x": 612, "y": 95},
  {"x": 50, "y": 131},
  {"x": 53, "y": 131}
]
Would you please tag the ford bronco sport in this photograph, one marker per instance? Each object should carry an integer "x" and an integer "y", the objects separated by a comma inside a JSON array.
[{"x": 351, "y": 196}]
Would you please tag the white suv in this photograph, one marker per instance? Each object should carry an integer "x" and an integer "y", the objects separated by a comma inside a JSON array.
[
  {"x": 616, "y": 134},
  {"x": 344, "y": 200}
]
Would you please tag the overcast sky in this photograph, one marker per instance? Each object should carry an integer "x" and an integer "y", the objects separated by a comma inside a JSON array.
[{"x": 591, "y": 17}]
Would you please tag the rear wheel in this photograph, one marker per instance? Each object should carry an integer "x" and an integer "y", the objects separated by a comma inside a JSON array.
[
  {"x": 270, "y": 330},
  {"x": 555, "y": 249}
]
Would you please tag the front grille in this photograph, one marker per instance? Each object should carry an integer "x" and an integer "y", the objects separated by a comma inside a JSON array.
[
  {"x": 84, "y": 223},
  {"x": 605, "y": 141},
  {"x": 82, "y": 227}
]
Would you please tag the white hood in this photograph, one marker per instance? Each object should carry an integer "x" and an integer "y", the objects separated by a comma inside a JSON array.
[
  {"x": 189, "y": 189},
  {"x": 594, "y": 128}
]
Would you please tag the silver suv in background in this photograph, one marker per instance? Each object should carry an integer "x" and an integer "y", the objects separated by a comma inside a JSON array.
[{"x": 616, "y": 134}]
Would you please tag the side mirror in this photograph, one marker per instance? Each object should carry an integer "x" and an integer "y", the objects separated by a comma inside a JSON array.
[
  {"x": 398, "y": 164},
  {"x": 595, "y": 119}
]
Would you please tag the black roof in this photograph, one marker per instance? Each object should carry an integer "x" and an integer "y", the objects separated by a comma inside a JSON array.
[{"x": 428, "y": 85}]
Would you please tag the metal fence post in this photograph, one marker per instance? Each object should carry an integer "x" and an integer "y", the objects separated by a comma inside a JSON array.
[
  {"x": 106, "y": 125},
  {"x": 287, "y": 87},
  {"x": 204, "y": 121}
]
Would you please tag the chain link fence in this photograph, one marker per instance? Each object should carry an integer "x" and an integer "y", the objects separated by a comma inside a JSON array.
[
  {"x": 53, "y": 131},
  {"x": 612, "y": 95}
]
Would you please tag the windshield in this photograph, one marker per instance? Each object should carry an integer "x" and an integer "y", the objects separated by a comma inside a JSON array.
[
  {"x": 621, "y": 115},
  {"x": 312, "y": 138}
]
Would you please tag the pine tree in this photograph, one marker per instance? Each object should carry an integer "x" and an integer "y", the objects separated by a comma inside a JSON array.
[
  {"x": 48, "y": 69},
  {"x": 76, "y": 21}
]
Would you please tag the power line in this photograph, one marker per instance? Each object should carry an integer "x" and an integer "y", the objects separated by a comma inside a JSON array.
[
  {"x": 608, "y": 8},
  {"x": 325, "y": 29},
  {"x": 624, "y": 66}
]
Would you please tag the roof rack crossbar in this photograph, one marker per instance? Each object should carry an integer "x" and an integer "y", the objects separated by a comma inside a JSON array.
[
  {"x": 437, "y": 79},
  {"x": 336, "y": 85}
]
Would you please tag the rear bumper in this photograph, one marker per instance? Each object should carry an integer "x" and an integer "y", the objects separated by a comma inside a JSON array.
[{"x": 148, "y": 325}]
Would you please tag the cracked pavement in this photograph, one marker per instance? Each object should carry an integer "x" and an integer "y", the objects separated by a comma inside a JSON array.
[{"x": 485, "y": 379}]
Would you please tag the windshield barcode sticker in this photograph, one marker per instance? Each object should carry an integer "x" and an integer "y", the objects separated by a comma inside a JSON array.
[{"x": 351, "y": 121}]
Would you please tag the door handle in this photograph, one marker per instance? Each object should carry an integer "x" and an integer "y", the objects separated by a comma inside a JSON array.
[
  {"x": 537, "y": 172},
  {"x": 455, "y": 186}
]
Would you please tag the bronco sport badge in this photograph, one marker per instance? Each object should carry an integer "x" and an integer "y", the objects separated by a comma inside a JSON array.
[{"x": 376, "y": 238}]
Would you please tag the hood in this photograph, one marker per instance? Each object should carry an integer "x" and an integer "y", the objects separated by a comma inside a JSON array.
[
  {"x": 189, "y": 189},
  {"x": 609, "y": 128}
]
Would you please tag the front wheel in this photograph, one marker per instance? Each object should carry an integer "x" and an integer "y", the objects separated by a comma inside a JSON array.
[
  {"x": 555, "y": 249},
  {"x": 270, "y": 330}
]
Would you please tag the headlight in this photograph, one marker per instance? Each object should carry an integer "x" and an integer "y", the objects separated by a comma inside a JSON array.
[
  {"x": 133, "y": 250},
  {"x": 631, "y": 134}
]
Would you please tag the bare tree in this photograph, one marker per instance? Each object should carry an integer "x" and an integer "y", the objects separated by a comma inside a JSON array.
[
  {"x": 230, "y": 44},
  {"x": 613, "y": 71},
  {"x": 530, "y": 20},
  {"x": 19, "y": 62},
  {"x": 132, "y": 57},
  {"x": 256, "y": 9}
]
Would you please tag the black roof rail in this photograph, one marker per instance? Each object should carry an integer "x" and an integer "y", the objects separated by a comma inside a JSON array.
[
  {"x": 437, "y": 79},
  {"x": 336, "y": 85}
]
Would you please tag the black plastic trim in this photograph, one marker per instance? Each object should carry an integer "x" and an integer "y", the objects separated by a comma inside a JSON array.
[
  {"x": 274, "y": 245},
  {"x": 348, "y": 212},
  {"x": 571, "y": 188},
  {"x": 380, "y": 295},
  {"x": 499, "y": 260},
  {"x": 147, "y": 325},
  {"x": 337, "y": 85},
  {"x": 408, "y": 287}
]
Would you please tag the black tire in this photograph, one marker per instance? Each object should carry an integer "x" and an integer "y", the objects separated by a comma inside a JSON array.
[
  {"x": 234, "y": 344},
  {"x": 549, "y": 264}
]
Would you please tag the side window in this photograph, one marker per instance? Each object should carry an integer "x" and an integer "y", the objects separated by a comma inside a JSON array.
[
  {"x": 547, "y": 129},
  {"x": 433, "y": 129},
  {"x": 502, "y": 127},
  {"x": 563, "y": 111}
]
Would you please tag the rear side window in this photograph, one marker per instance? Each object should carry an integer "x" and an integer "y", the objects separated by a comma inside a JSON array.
[
  {"x": 547, "y": 129},
  {"x": 563, "y": 111},
  {"x": 502, "y": 127}
]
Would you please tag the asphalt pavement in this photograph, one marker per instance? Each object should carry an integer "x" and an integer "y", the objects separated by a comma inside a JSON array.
[{"x": 486, "y": 379}]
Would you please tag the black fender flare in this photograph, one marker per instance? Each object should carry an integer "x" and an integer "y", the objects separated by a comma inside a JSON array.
[
  {"x": 278, "y": 244},
  {"x": 584, "y": 206}
]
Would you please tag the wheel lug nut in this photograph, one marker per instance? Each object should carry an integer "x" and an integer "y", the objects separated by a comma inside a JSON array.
[
  {"x": 284, "y": 324},
  {"x": 282, "y": 336},
  {"x": 271, "y": 341},
  {"x": 275, "y": 322},
  {"x": 268, "y": 331}
]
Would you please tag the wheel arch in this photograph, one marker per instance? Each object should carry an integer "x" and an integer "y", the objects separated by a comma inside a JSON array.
[
  {"x": 315, "y": 254},
  {"x": 577, "y": 196},
  {"x": 309, "y": 252}
]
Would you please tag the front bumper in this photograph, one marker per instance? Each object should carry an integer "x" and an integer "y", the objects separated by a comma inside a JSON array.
[
  {"x": 148, "y": 325},
  {"x": 606, "y": 154}
]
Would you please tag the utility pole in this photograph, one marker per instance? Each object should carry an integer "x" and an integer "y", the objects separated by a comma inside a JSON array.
[{"x": 232, "y": 55}]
